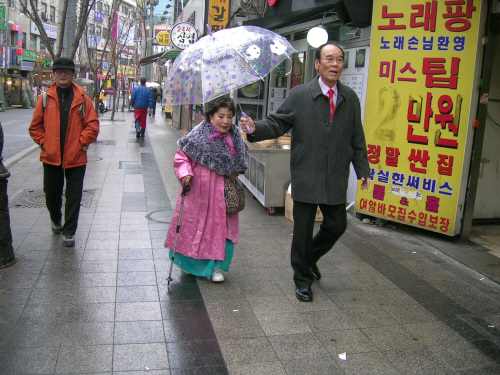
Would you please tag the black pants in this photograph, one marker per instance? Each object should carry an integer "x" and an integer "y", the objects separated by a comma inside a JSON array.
[
  {"x": 307, "y": 250},
  {"x": 53, "y": 183}
]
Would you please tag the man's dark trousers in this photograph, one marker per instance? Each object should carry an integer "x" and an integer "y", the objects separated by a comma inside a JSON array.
[
  {"x": 307, "y": 250},
  {"x": 53, "y": 183}
]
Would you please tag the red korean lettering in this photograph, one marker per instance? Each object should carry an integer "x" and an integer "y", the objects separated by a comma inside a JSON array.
[
  {"x": 381, "y": 208},
  {"x": 444, "y": 224},
  {"x": 388, "y": 70},
  {"x": 363, "y": 203},
  {"x": 392, "y": 211},
  {"x": 414, "y": 115},
  {"x": 434, "y": 70},
  {"x": 372, "y": 206},
  {"x": 401, "y": 213},
  {"x": 445, "y": 164},
  {"x": 392, "y": 20},
  {"x": 378, "y": 192},
  {"x": 422, "y": 219},
  {"x": 447, "y": 120},
  {"x": 458, "y": 15},
  {"x": 391, "y": 158},
  {"x": 429, "y": 14},
  {"x": 412, "y": 216},
  {"x": 412, "y": 71},
  {"x": 432, "y": 204},
  {"x": 373, "y": 154},
  {"x": 418, "y": 156},
  {"x": 433, "y": 220}
]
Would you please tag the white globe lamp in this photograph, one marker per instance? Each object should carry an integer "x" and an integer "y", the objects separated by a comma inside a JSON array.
[{"x": 317, "y": 36}]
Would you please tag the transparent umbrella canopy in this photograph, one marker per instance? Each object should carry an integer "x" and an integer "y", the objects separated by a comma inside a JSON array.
[{"x": 222, "y": 62}]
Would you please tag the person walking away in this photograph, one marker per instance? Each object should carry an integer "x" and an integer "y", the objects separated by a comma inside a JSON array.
[
  {"x": 213, "y": 149},
  {"x": 64, "y": 124},
  {"x": 156, "y": 94},
  {"x": 327, "y": 136},
  {"x": 142, "y": 99}
]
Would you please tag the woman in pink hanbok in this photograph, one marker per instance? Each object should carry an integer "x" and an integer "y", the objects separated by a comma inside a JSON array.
[{"x": 213, "y": 149}]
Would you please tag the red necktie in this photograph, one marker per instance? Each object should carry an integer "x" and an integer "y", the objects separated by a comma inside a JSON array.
[{"x": 332, "y": 104}]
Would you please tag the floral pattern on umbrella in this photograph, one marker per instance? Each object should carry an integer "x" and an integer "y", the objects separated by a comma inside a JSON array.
[{"x": 222, "y": 62}]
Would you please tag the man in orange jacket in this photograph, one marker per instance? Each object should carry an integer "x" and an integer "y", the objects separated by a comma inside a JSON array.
[{"x": 64, "y": 127}]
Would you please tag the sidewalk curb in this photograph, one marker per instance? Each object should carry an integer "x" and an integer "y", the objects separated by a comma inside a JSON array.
[{"x": 13, "y": 160}]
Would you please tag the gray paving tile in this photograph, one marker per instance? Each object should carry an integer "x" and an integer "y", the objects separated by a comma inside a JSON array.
[
  {"x": 390, "y": 337},
  {"x": 85, "y": 359},
  {"x": 369, "y": 317},
  {"x": 139, "y": 332},
  {"x": 285, "y": 323},
  {"x": 416, "y": 361},
  {"x": 136, "y": 278},
  {"x": 91, "y": 312},
  {"x": 29, "y": 334},
  {"x": 185, "y": 354},
  {"x": 345, "y": 341},
  {"x": 247, "y": 350},
  {"x": 236, "y": 326},
  {"x": 137, "y": 293},
  {"x": 145, "y": 253},
  {"x": 82, "y": 334},
  {"x": 264, "y": 305},
  {"x": 316, "y": 366},
  {"x": 33, "y": 361},
  {"x": 292, "y": 347},
  {"x": 128, "y": 265},
  {"x": 137, "y": 311},
  {"x": 370, "y": 363},
  {"x": 138, "y": 357},
  {"x": 327, "y": 320},
  {"x": 263, "y": 368},
  {"x": 99, "y": 266}
]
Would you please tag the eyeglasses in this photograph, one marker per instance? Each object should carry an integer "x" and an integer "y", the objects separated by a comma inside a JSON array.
[
  {"x": 339, "y": 60},
  {"x": 65, "y": 71}
]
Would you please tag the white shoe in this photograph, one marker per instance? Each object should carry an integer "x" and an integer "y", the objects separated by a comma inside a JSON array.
[{"x": 217, "y": 277}]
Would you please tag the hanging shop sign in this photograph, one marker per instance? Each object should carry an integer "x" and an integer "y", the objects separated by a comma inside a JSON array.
[
  {"x": 420, "y": 94},
  {"x": 163, "y": 38},
  {"x": 183, "y": 34},
  {"x": 218, "y": 15}
]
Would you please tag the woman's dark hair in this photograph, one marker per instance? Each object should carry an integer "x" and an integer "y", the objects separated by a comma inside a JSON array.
[
  {"x": 317, "y": 54},
  {"x": 221, "y": 102}
]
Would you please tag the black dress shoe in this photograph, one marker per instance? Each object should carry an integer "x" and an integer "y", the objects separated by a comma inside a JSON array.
[
  {"x": 304, "y": 294},
  {"x": 315, "y": 272}
]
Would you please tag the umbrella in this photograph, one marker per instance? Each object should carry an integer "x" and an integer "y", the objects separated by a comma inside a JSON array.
[
  {"x": 152, "y": 84},
  {"x": 220, "y": 63}
]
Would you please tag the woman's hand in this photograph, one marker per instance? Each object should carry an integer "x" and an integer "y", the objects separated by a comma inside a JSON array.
[
  {"x": 234, "y": 176},
  {"x": 186, "y": 180}
]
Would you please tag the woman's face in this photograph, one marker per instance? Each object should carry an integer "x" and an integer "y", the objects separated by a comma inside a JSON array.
[{"x": 222, "y": 120}]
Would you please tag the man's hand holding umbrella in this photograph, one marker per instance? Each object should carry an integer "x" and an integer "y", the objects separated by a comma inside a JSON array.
[{"x": 247, "y": 125}]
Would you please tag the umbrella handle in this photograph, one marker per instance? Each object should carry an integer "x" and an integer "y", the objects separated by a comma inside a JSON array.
[
  {"x": 209, "y": 30},
  {"x": 248, "y": 127}
]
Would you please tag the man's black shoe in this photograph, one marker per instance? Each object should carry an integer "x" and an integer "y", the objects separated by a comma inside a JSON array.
[
  {"x": 315, "y": 272},
  {"x": 304, "y": 294},
  {"x": 138, "y": 135}
]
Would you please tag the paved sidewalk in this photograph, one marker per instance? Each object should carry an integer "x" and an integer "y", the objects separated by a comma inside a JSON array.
[{"x": 391, "y": 301}]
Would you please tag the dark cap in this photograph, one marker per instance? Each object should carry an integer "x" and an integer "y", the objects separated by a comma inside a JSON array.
[
  {"x": 143, "y": 80},
  {"x": 63, "y": 63}
]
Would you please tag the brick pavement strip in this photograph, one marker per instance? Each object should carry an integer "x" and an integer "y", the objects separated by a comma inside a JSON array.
[{"x": 390, "y": 297}]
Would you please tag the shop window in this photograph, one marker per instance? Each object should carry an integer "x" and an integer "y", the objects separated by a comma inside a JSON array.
[
  {"x": 106, "y": 9},
  {"x": 124, "y": 10},
  {"x": 105, "y": 33},
  {"x": 99, "y": 6},
  {"x": 98, "y": 31},
  {"x": 12, "y": 3},
  {"x": 91, "y": 29},
  {"x": 43, "y": 8},
  {"x": 33, "y": 42},
  {"x": 23, "y": 39},
  {"x": 52, "y": 14},
  {"x": 13, "y": 38},
  {"x": 23, "y": 6}
]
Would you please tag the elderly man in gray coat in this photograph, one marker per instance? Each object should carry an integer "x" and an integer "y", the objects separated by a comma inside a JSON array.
[{"x": 327, "y": 136}]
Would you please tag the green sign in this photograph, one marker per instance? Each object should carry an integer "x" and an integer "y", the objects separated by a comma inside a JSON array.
[
  {"x": 29, "y": 55},
  {"x": 3, "y": 21}
]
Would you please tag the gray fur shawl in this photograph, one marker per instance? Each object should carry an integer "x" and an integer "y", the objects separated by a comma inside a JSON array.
[{"x": 214, "y": 153}]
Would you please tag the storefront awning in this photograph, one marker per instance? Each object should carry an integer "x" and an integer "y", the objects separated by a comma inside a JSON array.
[
  {"x": 169, "y": 55},
  {"x": 150, "y": 59}
]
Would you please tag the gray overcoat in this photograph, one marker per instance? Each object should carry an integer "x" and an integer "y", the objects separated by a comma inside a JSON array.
[{"x": 321, "y": 152}]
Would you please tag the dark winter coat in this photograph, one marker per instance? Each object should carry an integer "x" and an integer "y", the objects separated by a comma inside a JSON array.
[
  {"x": 321, "y": 152},
  {"x": 142, "y": 97}
]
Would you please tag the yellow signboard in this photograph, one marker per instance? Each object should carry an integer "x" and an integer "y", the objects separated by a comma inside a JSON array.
[
  {"x": 218, "y": 14},
  {"x": 420, "y": 85},
  {"x": 163, "y": 38}
]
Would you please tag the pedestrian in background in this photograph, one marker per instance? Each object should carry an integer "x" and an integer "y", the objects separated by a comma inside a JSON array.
[
  {"x": 327, "y": 136},
  {"x": 156, "y": 94},
  {"x": 142, "y": 99},
  {"x": 213, "y": 149},
  {"x": 64, "y": 129}
]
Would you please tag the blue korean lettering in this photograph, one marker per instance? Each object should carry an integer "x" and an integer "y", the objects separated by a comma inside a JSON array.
[
  {"x": 413, "y": 182},
  {"x": 398, "y": 179},
  {"x": 413, "y": 43},
  {"x": 459, "y": 43},
  {"x": 429, "y": 184},
  {"x": 446, "y": 189},
  {"x": 443, "y": 43},
  {"x": 428, "y": 43}
]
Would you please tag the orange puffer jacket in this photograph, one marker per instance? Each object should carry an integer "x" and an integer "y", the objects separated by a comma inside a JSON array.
[{"x": 45, "y": 128}]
